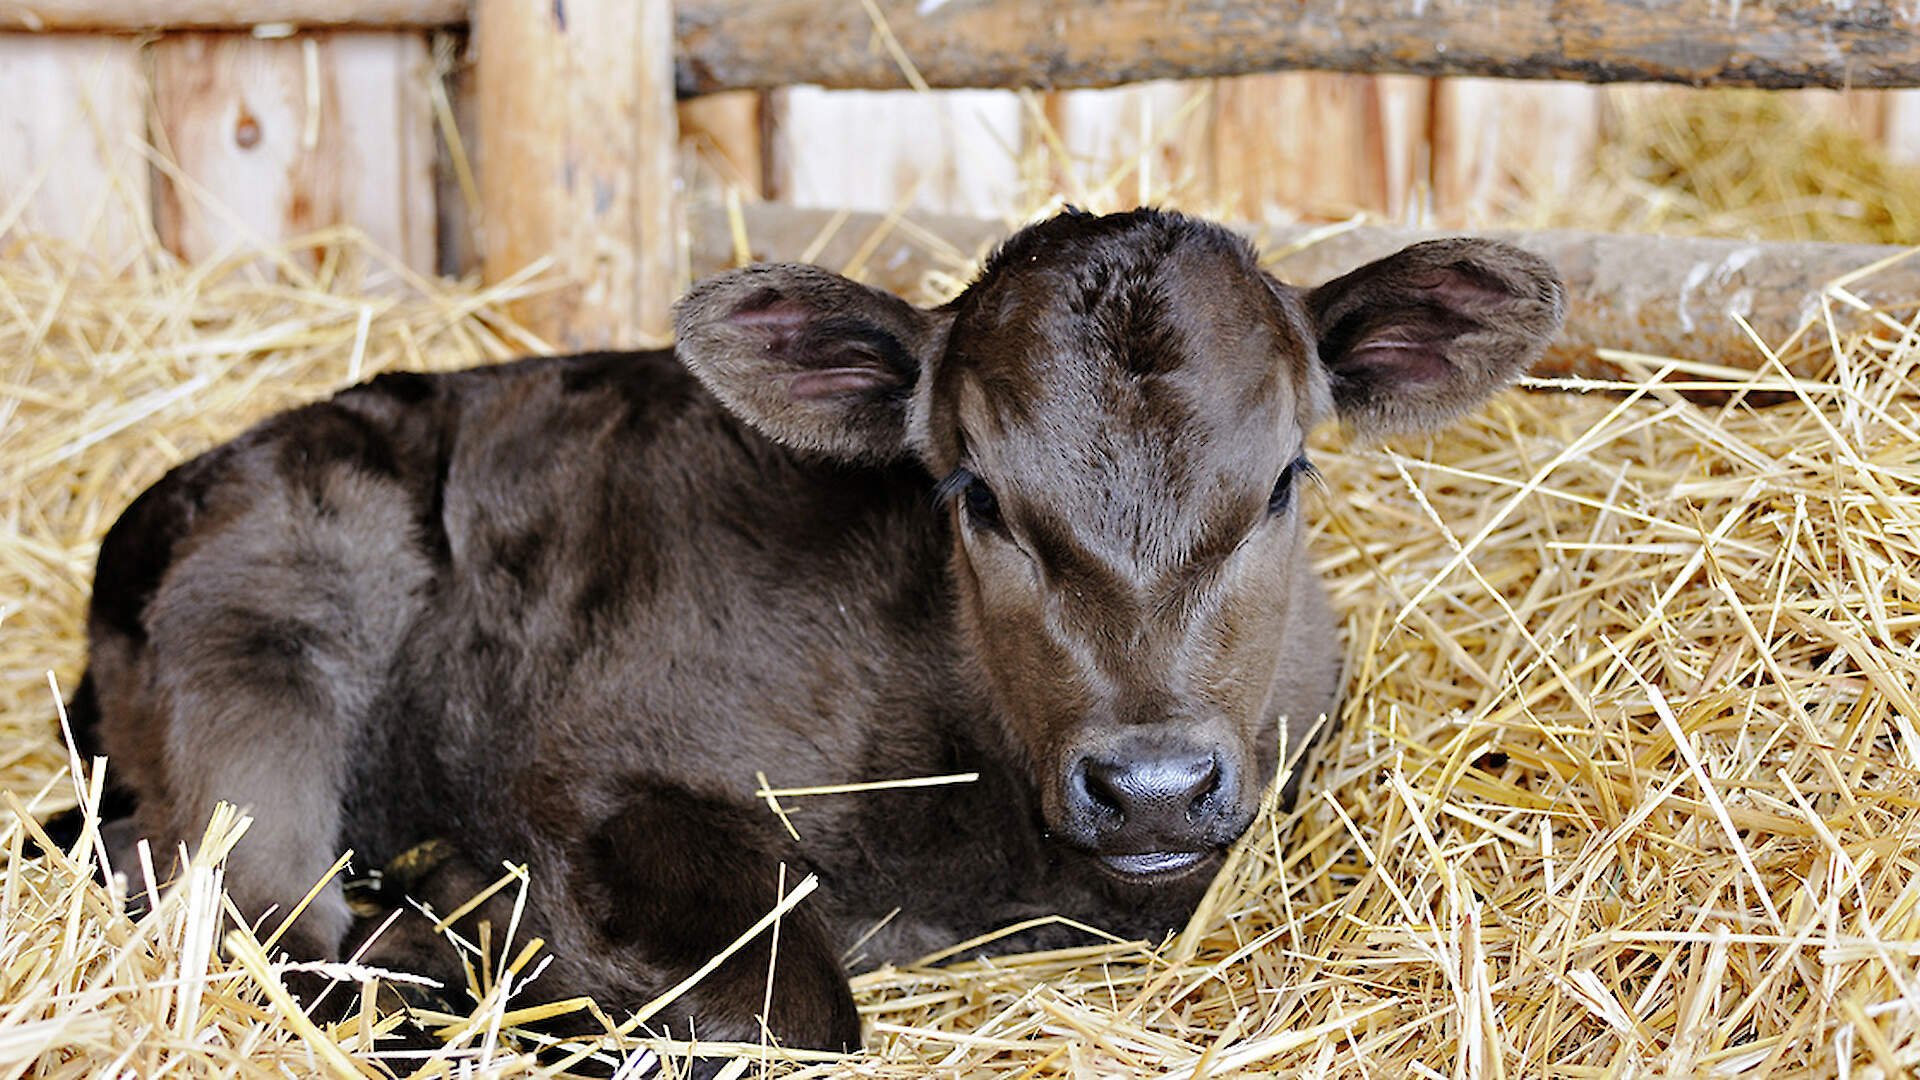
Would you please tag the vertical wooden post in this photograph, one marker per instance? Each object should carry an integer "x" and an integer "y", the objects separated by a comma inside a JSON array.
[
  {"x": 1399, "y": 130},
  {"x": 1145, "y": 143},
  {"x": 576, "y": 99}
]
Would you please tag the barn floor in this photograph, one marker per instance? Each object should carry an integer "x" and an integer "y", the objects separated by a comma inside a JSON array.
[{"x": 1629, "y": 780}]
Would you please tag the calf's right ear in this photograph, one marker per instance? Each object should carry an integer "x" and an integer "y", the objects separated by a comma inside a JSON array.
[
  {"x": 811, "y": 359},
  {"x": 1412, "y": 340}
]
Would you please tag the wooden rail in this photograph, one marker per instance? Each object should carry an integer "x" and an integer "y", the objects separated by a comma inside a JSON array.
[
  {"x": 1078, "y": 43},
  {"x": 575, "y": 124},
  {"x": 129, "y": 16},
  {"x": 1656, "y": 296},
  {"x": 748, "y": 44}
]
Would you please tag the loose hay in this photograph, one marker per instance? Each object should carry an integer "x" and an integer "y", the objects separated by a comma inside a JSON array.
[
  {"x": 1750, "y": 164},
  {"x": 1626, "y": 782}
]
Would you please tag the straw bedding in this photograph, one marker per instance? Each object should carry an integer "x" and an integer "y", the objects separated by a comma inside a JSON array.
[
  {"x": 1628, "y": 781},
  {"x": 1742, "y": 163}
]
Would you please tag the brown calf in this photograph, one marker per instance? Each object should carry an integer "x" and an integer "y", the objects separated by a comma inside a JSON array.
[{"x": 561, "y": 611}]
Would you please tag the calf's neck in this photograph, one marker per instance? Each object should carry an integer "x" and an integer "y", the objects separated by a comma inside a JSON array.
[{"x": 561, "y": 611}]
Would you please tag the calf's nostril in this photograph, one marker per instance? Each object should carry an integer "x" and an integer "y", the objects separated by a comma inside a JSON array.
[
  {"x": 1151, "y": 791},
  {"x": 1104, "y": 796},
  {"x": 1203, "y": 792},
  {"x": 1091, "y": 793}
]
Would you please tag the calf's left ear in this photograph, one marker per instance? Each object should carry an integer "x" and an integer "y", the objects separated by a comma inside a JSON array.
[
  {"x": 809, "y": 358},
  {"x": 1422, "y": 335}
]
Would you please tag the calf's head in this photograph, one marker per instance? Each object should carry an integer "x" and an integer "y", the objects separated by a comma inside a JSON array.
[{"x": 1114, "y": 416}]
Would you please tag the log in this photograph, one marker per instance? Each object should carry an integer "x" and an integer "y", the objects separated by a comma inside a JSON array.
[
  {"x": 731, "y": 44},
  {"x": 130, "y": 16},
  {"x": 1655, "y": 296},
  {"x": 1056, "y": 44},
  {"x": 576, "y": 110}
]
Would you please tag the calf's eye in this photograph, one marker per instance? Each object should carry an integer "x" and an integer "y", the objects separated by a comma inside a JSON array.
[
  {"x": 983, "y": 507},
  {"x": 977, "y": 502},
  {"x": 1282, "y": 497}
]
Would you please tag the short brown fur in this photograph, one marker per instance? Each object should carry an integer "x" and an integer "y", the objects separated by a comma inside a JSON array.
[{"x": 561, "y": 611}]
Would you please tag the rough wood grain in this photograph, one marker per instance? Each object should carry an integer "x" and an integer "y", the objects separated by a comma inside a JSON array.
[
  {"x": 577, "y": 108},
  {"x": 722, "y": 134},
  {"x": 761, "y": 44},
  {"x": 72, "y": 116},
  {"x": 1148, "y": 144},
  {"x": 277, "y": 138},
  {"x": 730, "y": 44},
  {"x": 134, "y": 15},
  {"x": 944, "y": 152},
  {"x": 1316, "y": 145},
  {"x": 1495, "y": 142},
  {"x": 1652, "y": 295}
]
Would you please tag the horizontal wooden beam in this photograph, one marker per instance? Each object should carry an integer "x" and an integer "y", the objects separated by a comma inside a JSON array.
[
  {"x": 128, "y": 16},
  {"x": 1655, "y": 296},
  {"x": 733, "y": 44},
  {"x": 762, "y": 44}
]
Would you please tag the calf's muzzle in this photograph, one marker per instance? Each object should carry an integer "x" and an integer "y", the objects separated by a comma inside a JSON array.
[{"x": 1150, "y": 806}]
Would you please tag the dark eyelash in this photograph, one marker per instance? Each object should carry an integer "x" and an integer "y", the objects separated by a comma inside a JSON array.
[
  {"x": 1297, "y": 469},
  {"x": 976, "y": 499},
  {"x": 950, "y": 488}
]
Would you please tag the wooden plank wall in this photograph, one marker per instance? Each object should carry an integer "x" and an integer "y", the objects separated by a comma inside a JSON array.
[
  {"x": 257, "y": 140},
  {"x": 72, "y": 120},
  {"x": 1451, "y": 152},
  {"x": 1308, "y": 145},
  {"x": 1902, "y": 132},
  {"x": 210, "y": 141},
  {"x": 1287, "y": 146},
  {"x": 271, "y": 138},
  {"x": 268, "y": 139}
]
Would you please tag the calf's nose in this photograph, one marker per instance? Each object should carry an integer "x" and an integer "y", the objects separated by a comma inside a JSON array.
[{"x": 1150, "y": 799}]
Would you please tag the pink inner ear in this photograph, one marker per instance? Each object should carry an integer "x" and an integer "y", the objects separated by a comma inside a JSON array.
[
  {"x": 832, "y": 382},
  {"x": 1400, "y": 360},
  {"x": 776, "y": 315},
  {"x": 1460, "y": 289}
]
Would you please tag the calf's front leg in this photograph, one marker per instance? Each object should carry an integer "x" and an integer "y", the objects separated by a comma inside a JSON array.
[{"x": 665, "y": 884}]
